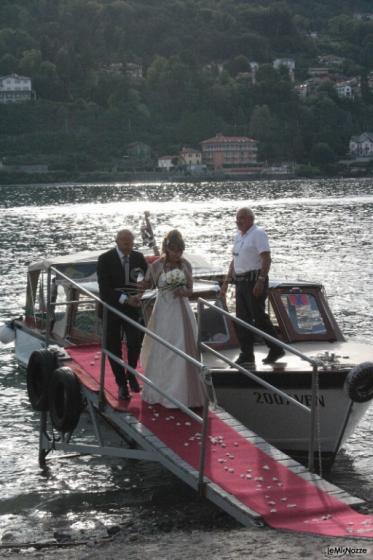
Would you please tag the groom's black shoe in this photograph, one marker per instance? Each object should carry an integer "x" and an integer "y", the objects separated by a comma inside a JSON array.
[
  {"x": 135, "y": 387},
  {"x": 273, "y": 355},
  {"x": 247, "y": 359}
]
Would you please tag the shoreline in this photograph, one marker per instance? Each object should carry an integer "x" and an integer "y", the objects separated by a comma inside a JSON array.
[
  {"x": 215, "y": 544},
  {"x": 19, "y": 179}
]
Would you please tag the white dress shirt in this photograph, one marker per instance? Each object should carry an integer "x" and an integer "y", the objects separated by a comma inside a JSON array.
[
  {"x": 123, "y": 297},
  {"x": 247, "y": 248}
]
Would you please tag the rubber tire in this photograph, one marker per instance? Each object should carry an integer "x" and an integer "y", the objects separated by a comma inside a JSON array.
[
  {"x": 40, "y": 367},
  {"x": 359, "y": 382},
  {"x": 65, "y": 400}
]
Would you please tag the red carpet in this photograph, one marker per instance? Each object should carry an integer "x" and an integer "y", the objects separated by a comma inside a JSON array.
[{"x": 285, "y": 500}]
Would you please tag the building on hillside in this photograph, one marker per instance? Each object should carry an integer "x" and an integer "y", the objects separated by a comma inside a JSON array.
[
  {"x": 330, "y": 60},
  {"x": 190, "y": 157},
  {"x": 166, "y": 163},
  {"x": 229, "y": 152},
  {"x": 363, "y": 16},
  {"x": 361, "y": 146},
  {"x": 302, "y": 89},
  {"x": 254, "y": 68},
  {"x": 348, "y": 88},
  {"x": 344, "y": 89},
  {"x": 15, "y": 89},
  {"x": 139, "y": 156},
  {"x": 318, "y": 72},
  {"x": 134, "y": 70},
  {"x": 283, "y": 168},
  {"x": 113, "y": 68},
  {"x": 288, "y": 63}
]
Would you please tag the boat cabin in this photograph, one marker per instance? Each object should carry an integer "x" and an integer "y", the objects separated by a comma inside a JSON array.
[{"x": 299, "y": 311}]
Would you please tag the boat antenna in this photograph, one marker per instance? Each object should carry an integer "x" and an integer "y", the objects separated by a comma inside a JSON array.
[{"x": 148, "y": 235}]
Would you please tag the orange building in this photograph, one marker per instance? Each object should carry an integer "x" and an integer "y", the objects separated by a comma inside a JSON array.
[{"x": 229, "y": 152}]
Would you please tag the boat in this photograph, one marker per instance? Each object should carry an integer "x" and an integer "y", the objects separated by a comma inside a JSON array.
[
  {"x": 343, "y": 377},
  {"x": 320, "y": 367}
]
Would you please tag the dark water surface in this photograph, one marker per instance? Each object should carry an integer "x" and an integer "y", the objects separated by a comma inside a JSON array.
[{"x": 319, "y": 230}]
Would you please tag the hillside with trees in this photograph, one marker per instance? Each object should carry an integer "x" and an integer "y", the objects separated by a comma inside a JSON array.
[{"x": 170, "y": 73}]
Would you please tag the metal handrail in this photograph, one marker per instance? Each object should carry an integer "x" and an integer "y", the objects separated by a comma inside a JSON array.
[
  {"x": 105, "y": 352},
  {"x": 71, "y": 302},
  {"x": 283, "y": 345},
  {"x": 315, "y": 364},
  {"x": 254, "y": 377}
]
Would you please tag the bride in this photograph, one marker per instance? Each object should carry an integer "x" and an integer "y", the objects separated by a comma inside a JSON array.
[{"x": 173, "y": 320}]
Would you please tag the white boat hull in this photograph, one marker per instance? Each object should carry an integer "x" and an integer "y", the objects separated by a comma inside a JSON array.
[
  {"x": 286, "y": 426},
  {"x": 25, "y": 344},
  {"x": 266, "y": 413}
]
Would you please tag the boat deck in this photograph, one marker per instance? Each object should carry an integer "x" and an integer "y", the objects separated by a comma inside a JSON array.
[{"x": 244, "y": 475}]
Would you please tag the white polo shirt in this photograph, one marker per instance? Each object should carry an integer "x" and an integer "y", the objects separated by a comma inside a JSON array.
[{"x": 247, "y": 247}]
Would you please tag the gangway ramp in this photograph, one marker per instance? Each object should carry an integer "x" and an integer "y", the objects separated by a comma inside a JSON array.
[{"x": 244, "y": 475}]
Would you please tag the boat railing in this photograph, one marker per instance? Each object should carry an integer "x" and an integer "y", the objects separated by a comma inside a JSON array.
[
  {"x": 314, "y": 363},
  {"x": 106, "y": 309}
]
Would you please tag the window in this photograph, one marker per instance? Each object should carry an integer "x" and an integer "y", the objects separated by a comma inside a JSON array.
[
  {"x": 304, "y": 313},
  {"x": 59, "y": 296}
]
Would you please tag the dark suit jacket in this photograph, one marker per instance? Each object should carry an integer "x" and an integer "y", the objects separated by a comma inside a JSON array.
[{"x": 110, "y": 276}]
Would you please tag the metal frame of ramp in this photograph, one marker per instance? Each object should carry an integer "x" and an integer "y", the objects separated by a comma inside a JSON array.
[{"x": 152, "y": 448}]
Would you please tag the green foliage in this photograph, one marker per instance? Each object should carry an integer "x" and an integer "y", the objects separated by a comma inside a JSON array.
[{"x": 174, "y": 72}]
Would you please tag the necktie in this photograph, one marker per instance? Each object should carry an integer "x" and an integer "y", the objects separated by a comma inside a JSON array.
[{"x": 126, "y": 266}]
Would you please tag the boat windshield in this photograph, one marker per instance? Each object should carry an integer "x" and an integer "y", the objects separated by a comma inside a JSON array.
[{"x": 304, "y": 313}]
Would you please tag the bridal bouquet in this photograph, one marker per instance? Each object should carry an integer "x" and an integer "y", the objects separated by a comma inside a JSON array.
[{"x": 175, "y": 279}]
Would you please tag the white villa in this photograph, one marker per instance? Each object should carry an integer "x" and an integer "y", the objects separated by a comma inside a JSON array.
[
  {"x": 361, "y": 146},
  {"x": 15, "y": 89},
  {"x": 344, "y": 89},
  {"x": 166, "y": 162},
  {"x": 190, "y": 157}
]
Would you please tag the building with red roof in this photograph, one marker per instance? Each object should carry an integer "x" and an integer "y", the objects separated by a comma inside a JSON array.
[{"x": 229, "y": 152}]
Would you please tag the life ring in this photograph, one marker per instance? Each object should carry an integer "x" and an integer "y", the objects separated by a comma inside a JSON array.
[
  {"x": 39, "y": 369},
  {"x": 65, "y": 399},
  {"x": 359, "y": 382}
]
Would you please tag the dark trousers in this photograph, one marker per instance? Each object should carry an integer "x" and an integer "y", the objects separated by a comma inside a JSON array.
[
  {"x": 115, "y": 329},
  {"x": 252, "y": 310}
]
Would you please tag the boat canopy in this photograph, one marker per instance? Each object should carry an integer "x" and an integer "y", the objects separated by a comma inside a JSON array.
[
  {"x": 83, "y": 265},
  {"x": 71, "y": 259}
]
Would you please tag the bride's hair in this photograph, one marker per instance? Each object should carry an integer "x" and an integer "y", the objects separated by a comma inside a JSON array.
[{"x": 174, "y": 241}]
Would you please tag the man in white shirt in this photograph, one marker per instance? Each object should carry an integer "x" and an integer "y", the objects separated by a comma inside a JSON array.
[{"x": 249, "y": 271}]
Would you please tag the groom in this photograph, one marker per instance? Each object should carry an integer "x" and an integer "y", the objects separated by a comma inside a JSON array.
[{"x": 117, "y": 272}]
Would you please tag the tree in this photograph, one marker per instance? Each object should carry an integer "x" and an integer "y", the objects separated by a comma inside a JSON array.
[
  {"x": 261, "y": 123},
  {"x": 15, "y": 41},
  {"x": 193, "y": 127},
  {"x": 46, "y": 82},
  {"x": 238, "y": 64},
  {"x": 30, "y": 62},
  {"x": 8, "y": 64},
  {"x": 322, "y": 155}
]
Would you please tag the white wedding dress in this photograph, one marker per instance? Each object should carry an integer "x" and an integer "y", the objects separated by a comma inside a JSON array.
[{"x": 173, "y": 320}]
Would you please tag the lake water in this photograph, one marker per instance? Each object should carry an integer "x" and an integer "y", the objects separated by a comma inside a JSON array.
[{"x": 319, "y": 230}]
